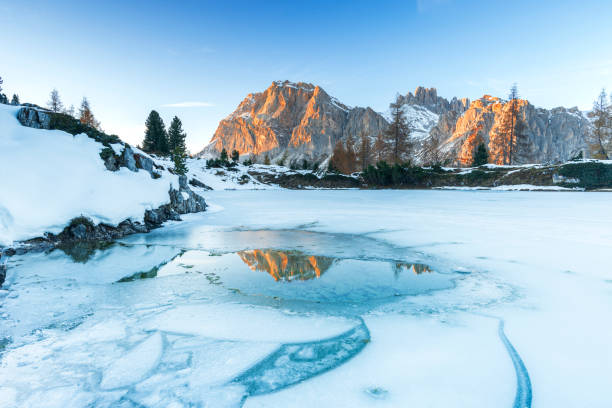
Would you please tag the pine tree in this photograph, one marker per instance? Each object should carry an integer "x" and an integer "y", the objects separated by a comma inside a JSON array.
[
  {"x": 266, "y": 159},
  {"x": 15, "y": 100},
  {"x": 55, "y": 103},
  {"x": 481, "y": 156},
  {"x": 398, "y": 133},
  {"x": 223, "y": 156},
  {"x": 86, "y": 116},
  {"x": 235, "y": 156},
  {"x": 600, "y": 134},
  {"x": 156, "y": 139},
  {"x": 3, "y": 98},
  {"x": 176, "y": 134},
  {"x": 179, "y": 157}
]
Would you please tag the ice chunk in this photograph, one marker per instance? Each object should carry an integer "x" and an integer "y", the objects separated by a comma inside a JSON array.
[
  {"x": 248, "y": 323},
  {"x": 135, "y": 364}
]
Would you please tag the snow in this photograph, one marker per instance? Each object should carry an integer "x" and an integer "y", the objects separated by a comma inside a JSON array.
[
  {"x": 420, "y": 119},
  {"x": 50, "y": 177},
  {"x": 198, "y": 334}
]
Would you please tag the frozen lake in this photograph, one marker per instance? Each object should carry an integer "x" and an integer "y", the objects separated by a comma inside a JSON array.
[{"x": 328, "y": 298}]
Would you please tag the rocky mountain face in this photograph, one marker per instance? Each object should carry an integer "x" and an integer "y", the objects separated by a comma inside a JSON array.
[
  {"x": 550, "y": 135},
  {"x": 294, "y": 121}
]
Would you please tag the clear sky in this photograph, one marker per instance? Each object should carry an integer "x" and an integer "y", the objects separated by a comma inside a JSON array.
[{"x": 198, "y": 59}]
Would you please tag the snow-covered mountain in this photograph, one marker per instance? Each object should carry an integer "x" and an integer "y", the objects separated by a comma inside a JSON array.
[{"x": 52, "y": 177}]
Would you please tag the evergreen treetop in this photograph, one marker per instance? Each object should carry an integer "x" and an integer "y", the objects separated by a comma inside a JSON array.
[
  {"x": 176, "y": 135},
  {"x": 481, "y": 156},
  {"x": 156, "y": 138}
]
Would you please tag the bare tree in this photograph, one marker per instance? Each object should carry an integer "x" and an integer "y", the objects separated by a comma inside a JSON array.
[
  {"x": 398, "y": 133},
  {"x": 432, "y": 152},
  {"x": 514, "y": 111},
  {"x": 86, "y": 116},
  {"x": 601, "y": 126},
  {"x": 55, "y": 103},
  {"x": 365, "y": 151},
  {"x": 381, "y": 149}
]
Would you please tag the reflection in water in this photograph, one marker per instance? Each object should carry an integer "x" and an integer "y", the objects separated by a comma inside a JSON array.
[
  {"x": 291, "y": 265},
  {"x": 286, "y": 265},
  {"x": 415, "y": 268}
]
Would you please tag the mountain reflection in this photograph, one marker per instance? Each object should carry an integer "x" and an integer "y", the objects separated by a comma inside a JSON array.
[
  {"x": 292, "y": 265},
  {"x": 417, "y": 269},
  {"x": 286, "y": 265}
]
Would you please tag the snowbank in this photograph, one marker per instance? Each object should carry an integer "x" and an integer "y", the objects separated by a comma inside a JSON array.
[{"x": 49, "y": 177}]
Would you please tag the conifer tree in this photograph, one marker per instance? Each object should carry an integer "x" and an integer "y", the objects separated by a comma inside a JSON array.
[
  {"x": 266, "y": 159},
  {"x": 223, "y": 156},
  {"x": 15, "y": 100},
  {"x": 179, "y": 157},
  {"x": 3, "y": 98},
  {"x": 481, "y": 156},
  {"x": 55, "y": 103},
  {"x": 86, "y": 116},
  {"x": 398, "y": 133},
  {"x": 156, "y": 139},
  {"x": 235, "y": 156},
  {"x": 176, "y": 134}
]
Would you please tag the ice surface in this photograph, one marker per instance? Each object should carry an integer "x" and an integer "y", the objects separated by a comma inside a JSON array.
[
  {"x": 134, "y": 365},
  {"x": 221, "y": 333}
]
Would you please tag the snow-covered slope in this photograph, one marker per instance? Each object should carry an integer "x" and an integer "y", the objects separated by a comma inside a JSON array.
[{"x": 50, "y": 177}]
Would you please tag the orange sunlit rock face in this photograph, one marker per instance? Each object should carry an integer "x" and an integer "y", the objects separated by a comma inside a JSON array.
[
  {"x": 292, "y": 119},
  {"x": 487, "y": 120},
  {"x": 286, "y": 265}
]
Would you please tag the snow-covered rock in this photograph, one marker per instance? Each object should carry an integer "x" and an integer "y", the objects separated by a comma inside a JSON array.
[{"x": 50, "y": 177}]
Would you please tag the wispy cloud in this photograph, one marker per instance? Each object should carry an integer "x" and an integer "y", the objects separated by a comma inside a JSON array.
[{"x": 192, "y": 104}]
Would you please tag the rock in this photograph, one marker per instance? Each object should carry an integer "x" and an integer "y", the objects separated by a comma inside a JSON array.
[
  {"x": 34, "y": 117},
  {"x": 127, "y": 159},
  {"x": 111, "y": 163},
  {"x": 143, "y": 162},
  {"x": 197, "y": 183},
  {"x": 294, "y": 121}
]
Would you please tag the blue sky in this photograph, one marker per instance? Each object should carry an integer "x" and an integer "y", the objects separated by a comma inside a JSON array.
[{"x": 199, "y": 59}]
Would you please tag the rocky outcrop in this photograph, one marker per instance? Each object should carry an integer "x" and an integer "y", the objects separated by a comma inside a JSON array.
[
  {"x": 550, "y": 136},
  {"x": 34, "y": 117},
  {"x": 428, "y": 98},
  {"x": 293, "y": 121},
  {"x": 182, "y": 200}
]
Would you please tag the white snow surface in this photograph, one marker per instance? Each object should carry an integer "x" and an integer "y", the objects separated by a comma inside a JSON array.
[
  {"x": 538, "y": 261},
  {"x": 50, "y": 177}
]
